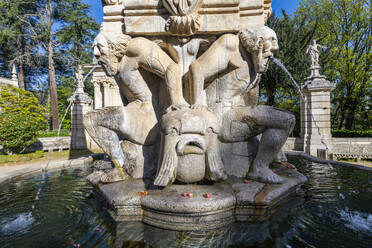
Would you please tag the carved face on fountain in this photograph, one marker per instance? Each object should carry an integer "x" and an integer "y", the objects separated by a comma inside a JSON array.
[
  {"x": 190, "y": 147},
  {"x": 109, "y": 48},
  {"x": 260, "y": 43}
]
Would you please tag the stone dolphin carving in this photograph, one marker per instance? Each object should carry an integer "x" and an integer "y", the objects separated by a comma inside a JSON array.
[{"x": 190, "y": 148}]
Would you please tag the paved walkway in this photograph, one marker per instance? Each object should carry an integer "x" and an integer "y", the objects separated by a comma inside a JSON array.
[
  {"x": 4, "y": 169},
  {"x": 7, "y": 172}
]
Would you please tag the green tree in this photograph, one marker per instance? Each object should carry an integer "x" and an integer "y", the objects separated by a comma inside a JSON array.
[
  {"x": 78, "y": 32},
  {"x": 67, "y": 32},
  {"x": 21, "y": 118},
  {"x": 277, "y": 89},
  {"x": 77, "y": 35},
  {"x": 17, "y": 40},
  {"x": 345, "y": 27}
]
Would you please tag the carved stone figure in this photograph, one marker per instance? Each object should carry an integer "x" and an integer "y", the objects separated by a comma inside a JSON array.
[
  {"x": 184, "y": 19},
  {"x": 313, "y": 52},
  {"x": 213, "y": 53},
  {"x": 122, "y": 57},
  {"x": 241, "y": 123},
  {"x": 190, "y": 149},
  {"x": 226, "y": 55}
]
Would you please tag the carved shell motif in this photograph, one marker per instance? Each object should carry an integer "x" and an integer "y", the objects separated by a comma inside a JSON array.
[{"x": 184, "y": 19}]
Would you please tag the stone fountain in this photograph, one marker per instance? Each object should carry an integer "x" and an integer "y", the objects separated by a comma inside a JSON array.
[{"x": 191, "y": 147}]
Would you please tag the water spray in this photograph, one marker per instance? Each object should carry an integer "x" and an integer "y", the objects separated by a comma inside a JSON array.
[{"x": 279, "y": 63}]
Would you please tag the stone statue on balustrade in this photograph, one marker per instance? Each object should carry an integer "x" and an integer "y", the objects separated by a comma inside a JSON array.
[{"x": 313, "y": 51}]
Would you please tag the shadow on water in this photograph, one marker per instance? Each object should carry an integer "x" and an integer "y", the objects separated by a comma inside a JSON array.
[{"x": 334, "y": 210}]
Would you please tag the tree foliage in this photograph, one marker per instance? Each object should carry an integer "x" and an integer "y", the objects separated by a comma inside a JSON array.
[
  {"x": 17, "y": 42},
  {"x": 21, "y": 118},
  {"x": 345, "y": 27},
  {"x": 59, "y": 35},
  {"x": 277, "y": 89}
]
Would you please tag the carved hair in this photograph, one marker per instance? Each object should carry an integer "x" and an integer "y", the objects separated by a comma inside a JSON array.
[
  {"x": 111, "y": 2},
  {"x": 253, "y": 38},
  {"x": 117, "y": 43}
]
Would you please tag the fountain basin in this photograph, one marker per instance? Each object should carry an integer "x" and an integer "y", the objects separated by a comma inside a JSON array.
[
  {"x": 228, "y": 201},
  {"x": 335, "y": 211}
]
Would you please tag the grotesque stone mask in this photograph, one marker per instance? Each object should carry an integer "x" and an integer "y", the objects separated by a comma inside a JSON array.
[
  {"x": 260, "y": 43},
  {"x": 109, "y": 48},
  {"x": 190, "y": 148}
]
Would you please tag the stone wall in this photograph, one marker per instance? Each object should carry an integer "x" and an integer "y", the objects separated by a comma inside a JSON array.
[
  {"x": 13, "y": 81},
  {"x": 52, "y": 144},
  {"x": 340, "y": 147},
  {"x": 357, "y": 146},
  {"x": 7, "y": 81}
]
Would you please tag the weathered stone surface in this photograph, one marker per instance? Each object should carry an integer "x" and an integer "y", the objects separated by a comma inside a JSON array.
[
  {"x": 190, "y": 147},
  {"x": 190, "y": 90},
  {"x": 234, "y": 199},
  {"x": 124, "y": 198}
]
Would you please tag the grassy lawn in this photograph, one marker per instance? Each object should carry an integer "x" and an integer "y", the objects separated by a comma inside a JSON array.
[{"x": 39, "y": 156}]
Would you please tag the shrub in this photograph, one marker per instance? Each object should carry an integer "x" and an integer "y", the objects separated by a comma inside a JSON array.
[
  {"x": 21, "y": 118},
  {"x": 352, "y": 133}
]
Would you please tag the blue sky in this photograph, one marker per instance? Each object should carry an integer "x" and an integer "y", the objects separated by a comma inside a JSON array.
[{"x": 288, "y": 5}]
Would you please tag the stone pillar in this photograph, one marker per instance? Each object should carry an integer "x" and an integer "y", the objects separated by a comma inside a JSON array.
[
  {"x": 106, "y": 91},
  {"x": 97, "y": 95},
  {"x": 316, "y": 113},
  {"x": 81, "y": 104}
]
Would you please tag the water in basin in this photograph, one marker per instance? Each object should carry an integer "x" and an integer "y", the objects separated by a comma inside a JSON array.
[{"x": 61, "y": 209}]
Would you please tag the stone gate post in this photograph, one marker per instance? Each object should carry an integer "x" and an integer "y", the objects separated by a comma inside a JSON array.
[
  {"x": 316, "y": 114},
  {"x": 81, "y": 104}
]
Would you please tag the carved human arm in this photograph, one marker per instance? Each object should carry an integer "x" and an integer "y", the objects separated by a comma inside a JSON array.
[{"x": 324, "y": 47}]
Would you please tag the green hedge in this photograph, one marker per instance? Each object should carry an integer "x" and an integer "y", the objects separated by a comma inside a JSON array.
[
  {"x": 21, "y": 118},
  {"x": 21, "y": 157},
  {"x": 352, "y": 133},
  {"x": 53, "y": 133}
]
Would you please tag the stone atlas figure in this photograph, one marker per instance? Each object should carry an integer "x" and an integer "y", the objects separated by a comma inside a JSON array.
[
  {"x": 121, "y": 57},
  {"x": 188, "y": 72}
]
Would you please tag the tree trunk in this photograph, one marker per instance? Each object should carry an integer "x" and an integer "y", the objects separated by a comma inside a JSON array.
[
  {"x": 270, "y": 91},
  {"x": 53, "y": 86},
  {"x": 350, "y": 117},
  {"x": 342, "y": 118},
  {"x": 52, "y": 72},
  {"x": 21, "y": 75}
]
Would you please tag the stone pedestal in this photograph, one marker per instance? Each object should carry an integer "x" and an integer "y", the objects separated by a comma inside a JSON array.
[
  {"x": 316, "y": 113},
  {"x": 229, "y": 201},
  {"x": 81, "y": 104},
  {"x": 13, "y": 81}
]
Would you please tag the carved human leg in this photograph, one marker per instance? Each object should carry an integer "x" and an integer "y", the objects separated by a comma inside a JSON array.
[
  {"x": 105, "y": 134},
  {"x": 105, "y": 126},
  {"x": 275, "y": 125},
  {"x": 278, "y": 124}
]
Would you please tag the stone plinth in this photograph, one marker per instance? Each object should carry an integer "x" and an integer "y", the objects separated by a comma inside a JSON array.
[
  {"x": 229, "y": 201},
  {"x": 316, "y": 113},
  {"x": 81, "y": 104}
]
